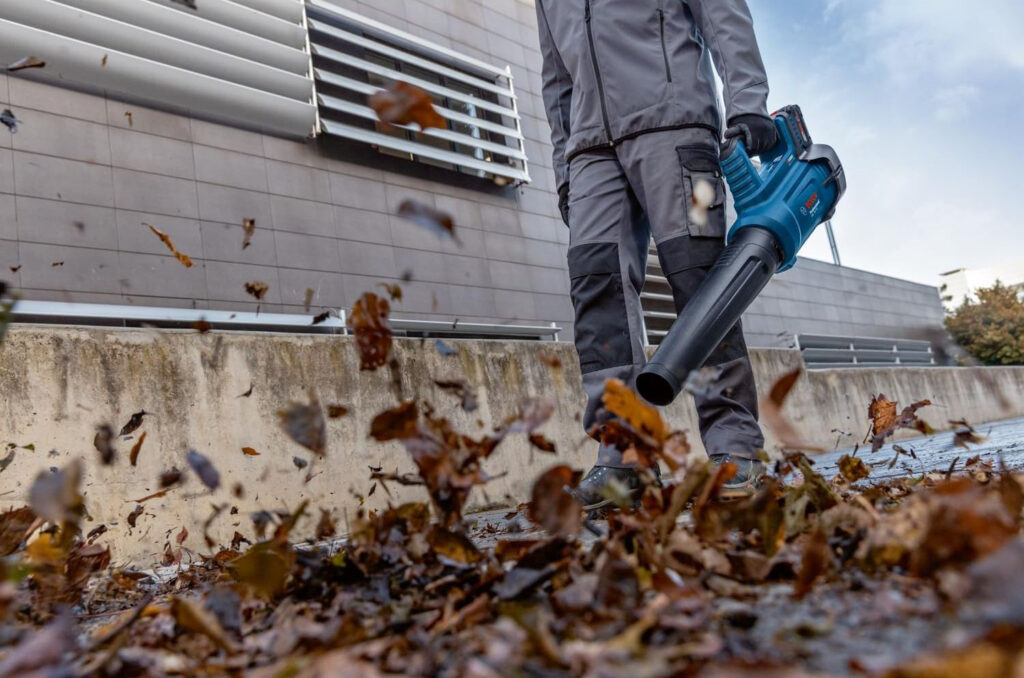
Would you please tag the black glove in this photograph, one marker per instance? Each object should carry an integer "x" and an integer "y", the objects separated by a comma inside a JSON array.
[
  {"x": 563, "y": 202},
  {"x": 758, "y": 132}
]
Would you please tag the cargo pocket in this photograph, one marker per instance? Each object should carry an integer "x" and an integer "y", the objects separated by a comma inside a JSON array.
[
  {"x": 602, "y": 324},
  {"x": 702, "y": 181}
]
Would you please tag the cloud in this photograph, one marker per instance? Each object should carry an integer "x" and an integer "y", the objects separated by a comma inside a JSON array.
[{"x": 953, "y": 104}]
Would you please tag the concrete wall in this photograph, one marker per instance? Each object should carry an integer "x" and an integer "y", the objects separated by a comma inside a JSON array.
[
  {"x": 325, "y": 221},
  {"x": 60, "y": 383}
]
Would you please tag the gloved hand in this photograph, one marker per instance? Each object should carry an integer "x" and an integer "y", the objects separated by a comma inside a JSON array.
[
  {"x": 563, "y": 202},
  {"x": 758, "y": 132}
]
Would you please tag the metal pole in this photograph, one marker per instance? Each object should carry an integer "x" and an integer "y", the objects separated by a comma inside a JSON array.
[{"x": 832, "y": 243}]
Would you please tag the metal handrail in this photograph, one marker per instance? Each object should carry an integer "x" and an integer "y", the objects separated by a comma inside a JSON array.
[{"x": 73, "y": 313}]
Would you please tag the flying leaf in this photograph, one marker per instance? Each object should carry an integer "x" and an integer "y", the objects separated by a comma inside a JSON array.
[
  {"x": 202, "y": 326},
  {"x": 134, "y": 422},
  {"x": 250, "y": 452},
  {"x": 8, "y": 119},
  {"x": 166, "y": 239},
  {"x": 249, "y": 226},
  {"x": 321, "y": 317},
  {"x": 192, "y": 617},
  {"x": 103, "y": 442},
  {"x": 307, "y": 301},
  {"x": 372, "y": 329},
  {"x": 54, "y": 496},
  {"x": 462, "y": 390},
  {"x": 444, "y": 349},
  {"x": 771, "y": 414},
  {"x": 134, "y": 515},
  {"x": 265, "y": 567},
  {"x": 204, "y": 468},
  {"x": 428, "y": 217},
  {"x": 300, "y": 462},
  {"x": 394, "y": 290},
  {"x": 336, "y": 411},
  {"x": 453, "y": 546},
  {"x": 853, "y": 468},
  {"x": 133, "y": 456},
  {"x": 625, "y": 404},
  {"x": 552, "y": 506},
  {"x": 257, "y": 289},
  {"x": 26, "y": 62},
  {"x": 305, "y": 425},
  {"x": 404, "y": 104},
  {"x": 542, "y": 443}
]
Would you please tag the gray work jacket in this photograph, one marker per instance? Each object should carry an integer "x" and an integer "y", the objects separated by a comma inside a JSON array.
[{"x": 614, "y": 69}]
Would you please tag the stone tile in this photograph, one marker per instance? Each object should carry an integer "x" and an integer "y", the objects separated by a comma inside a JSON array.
[
  {"x": 412, "y": 235},
  {"x": 230, "y": 138},
  {"x": 496, "y": 219},
  {"x": 510, "y": 276},
  {"x": 134, "y": 236},
  {"x": 54, "y": 221},
  {"x": 467, "y": 271},
  {"x": 426, "y": 17},
  {"x": 83, "y": 270},
  {"x": 225, "y": 281},
  {"x": 73, "y": 296},
  {"x": 63, "y": 136},
  {"x": 540, "y": 228},
  {"x": 151, "y": 153},
  {"x": 506, "y": 51},
  {"x": 396, "y": 195},
  {"x": 223, "y": 242},
  {"x": 42, "y": 97},
  {"x": 540, "y": 253},
  {"x": 297, "y": 181},
  {"x": 304, "y": 152},
  {"x": 554, "y": 308},
  {"x": 465, "y": 213},
  {"x": 6, "y": 171},
  {"x": 159, "y": 275},
  {"x": 148, "y": 120},
  {"x": 9, "y": 257},
  {"x": 426, "y": 297},
  {"x": 302, "y": 216},
  {"x": 8, "y": 224},
  {"x": 350, "y": 191},
  {"x": 328, "y": 289},
  {"x": 475, "y": 301},
  {"x": 515, "y": 305},
  {"x": 145, "y": 192},
  {"x": 5, "y": 97},
  {"x": 309, "y": 252},
  {"x": 367, "y": 259},
  {"x": 228, "y": 168},
  {"x": 505, "y": 248},
  {"x": 549, "y": 280},
  {"x": 232, "y": 205},
  {"x": 424, "y": 266},
  {"x": 362, "y": 225},
  {"x": 43, "y": 176}
]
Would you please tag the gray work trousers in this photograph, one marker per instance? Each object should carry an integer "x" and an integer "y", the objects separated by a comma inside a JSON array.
[{"x": 618, "y": 199}]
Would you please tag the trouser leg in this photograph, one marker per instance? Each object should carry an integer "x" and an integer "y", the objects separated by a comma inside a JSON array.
[
  {"x": 664, "y": 168},
  {"x": 608, "y": 240}
]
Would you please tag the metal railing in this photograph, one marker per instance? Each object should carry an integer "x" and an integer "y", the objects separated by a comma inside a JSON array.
[
  {"x": 828, "y": 352},
  {"x": 115, "y": 315}
]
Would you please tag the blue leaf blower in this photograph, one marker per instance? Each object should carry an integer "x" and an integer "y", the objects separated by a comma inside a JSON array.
[{"x": 779, "y": 205}]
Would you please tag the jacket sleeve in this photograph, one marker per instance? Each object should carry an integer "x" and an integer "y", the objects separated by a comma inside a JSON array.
[
  {"x": 557, "y": 94},
  {"x": 728, "y": 31}
]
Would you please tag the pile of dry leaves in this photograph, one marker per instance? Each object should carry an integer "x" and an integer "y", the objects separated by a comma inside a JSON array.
[{"x": 809, "y": 575}]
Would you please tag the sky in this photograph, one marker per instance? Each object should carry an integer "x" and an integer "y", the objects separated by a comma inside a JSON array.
[{"x": 923, "y": 100}]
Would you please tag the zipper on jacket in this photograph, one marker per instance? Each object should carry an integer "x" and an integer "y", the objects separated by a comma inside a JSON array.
[
  {"x": 597, "y": 74},
  {"x": 664, "y": 48}
]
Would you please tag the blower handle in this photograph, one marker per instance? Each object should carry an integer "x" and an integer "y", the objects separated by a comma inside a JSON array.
[{"x": 739, "y": 170}]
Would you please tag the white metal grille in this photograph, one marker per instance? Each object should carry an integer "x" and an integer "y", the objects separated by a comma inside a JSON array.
[
  {"x": 354, "y": 56},
  {"x": 242, "y": 61}
]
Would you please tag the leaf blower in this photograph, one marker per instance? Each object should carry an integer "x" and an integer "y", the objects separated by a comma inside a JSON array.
[{"x": 778, "y": 206}]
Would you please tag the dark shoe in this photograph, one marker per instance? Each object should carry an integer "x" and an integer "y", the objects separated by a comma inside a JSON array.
[
  {"x": 607, "y": 486},
  {"x": 749, "y": 473}
]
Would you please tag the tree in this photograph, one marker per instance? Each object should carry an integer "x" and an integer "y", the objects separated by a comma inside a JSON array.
[{"x": 992, "y": 328}]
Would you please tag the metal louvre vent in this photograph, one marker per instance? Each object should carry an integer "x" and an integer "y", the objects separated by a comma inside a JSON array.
[
  {"x": 354, "y": 56},
  {"x": 241, "y": 61}
]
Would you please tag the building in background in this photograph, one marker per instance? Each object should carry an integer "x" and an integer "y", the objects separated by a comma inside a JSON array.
[
  {"x": 961, "y": 284},
  {"x": 196, "y": 119}
]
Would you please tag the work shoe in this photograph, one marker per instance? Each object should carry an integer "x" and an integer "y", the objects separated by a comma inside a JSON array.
[
  {"x": 749, "y": 473},
  {"x": 605, "y": 486}
]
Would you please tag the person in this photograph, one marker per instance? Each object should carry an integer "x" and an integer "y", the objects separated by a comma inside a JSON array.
[{"x": 630, "y": 95}]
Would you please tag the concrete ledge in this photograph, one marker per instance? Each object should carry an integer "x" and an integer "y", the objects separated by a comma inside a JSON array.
[{"x": 59, "y": 383}]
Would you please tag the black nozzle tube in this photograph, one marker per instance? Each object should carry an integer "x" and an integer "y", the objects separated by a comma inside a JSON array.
[{"x": 734, "y": 281}]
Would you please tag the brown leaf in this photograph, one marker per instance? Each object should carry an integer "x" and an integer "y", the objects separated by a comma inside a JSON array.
[
  {"x": 885, "y": 421},
  {"x": 853, "y": 468},
  {"x": 134, "y": 422},
  {"x": 397, "y": 423},
  {"x": 103, "y": 442},
  {"x": 26, "y": 62},
  {"x": 533, "y": 413},
  {"x": 54, "y": 496},
  {"x": 394, "y": 290},
  {"x": 453, "y": 546},
  {"x": 783, "y": 429},
  {"x": 336, "y": 411},
  {"x": 249, "y": 226},
  {"x": 964, "y": 435},
  {"x": 192, "y": 617},
  {"x": 462, "y": 390},
  {"x": 317, "y": 319},
  {"x": 405, "y": 104},
  {"x": 171, "y": 477},
  {"x": 201, "y": 326},
  {"x": 307, "y": 301},
  {"x": 325, "y": 527},
  {"x": 305, "y": 425},
  {"x": 428, "y": 217},
  {"x": 372, "y": 329},
  {"x": 134, "y": 515},
  {"x": 813, "y": 563},
  {"x": 257, "y": 289},
  {"x": 882, "y": 413},
  {"x": 542, "y": 443},
  {"x": 643, "y": 419},
  {"x": 250, "y": 452},
  {"x": 14, "y": 526},
  {"x": 551, "y": 504},
  {"x": 265, "y": 567},
  {"x": 133, "y": 456},
  {"x": 183, "y": 258},
  {"x": 204, "y": 468}
]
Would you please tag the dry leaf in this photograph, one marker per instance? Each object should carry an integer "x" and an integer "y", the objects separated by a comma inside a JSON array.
[
  {"x": 250, "y": 452},
  {"x": 204, "y": 468},
  {"x": 428, "y": 217},
  {"x": 26, "y": 62},
  {"x": 372, "y": 329},
  {"x": 305, "y": 425},
  {"x": 133, "y": 456},
  {"x": 183, "y": 258},
  {"x": 249, "y": 226},
  {"x": 257, "y": 289},
  {"x": 405, "y": 104}
]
